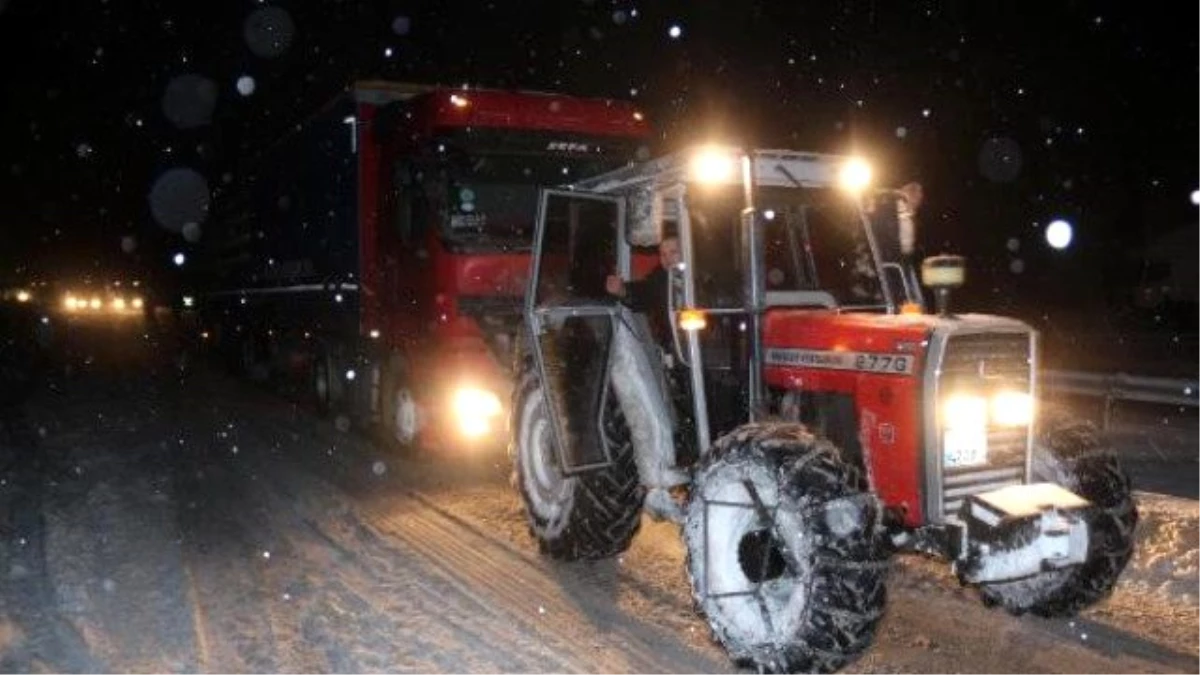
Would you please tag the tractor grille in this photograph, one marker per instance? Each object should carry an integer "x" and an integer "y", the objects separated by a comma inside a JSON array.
[{"x": 987, "y": 363}]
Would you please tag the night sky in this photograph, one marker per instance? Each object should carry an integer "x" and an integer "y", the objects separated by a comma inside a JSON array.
[{"x": 1011, "y": 114}]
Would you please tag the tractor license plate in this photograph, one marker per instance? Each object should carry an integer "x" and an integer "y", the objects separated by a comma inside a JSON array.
[{"x": 965, "y": 447}]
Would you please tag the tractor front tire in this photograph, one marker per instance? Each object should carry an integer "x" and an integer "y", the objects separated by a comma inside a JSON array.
[
  {"x": 787, "y": 558},
  {"x": 1069, "y": 452},
  {"x": 590, "y": 515}
]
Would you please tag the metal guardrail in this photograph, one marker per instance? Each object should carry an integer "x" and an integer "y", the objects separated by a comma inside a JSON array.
[{"x": 1122, "y": 387}]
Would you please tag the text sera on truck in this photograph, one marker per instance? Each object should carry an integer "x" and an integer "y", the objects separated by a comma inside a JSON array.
[{"x": 375, "y": 256}]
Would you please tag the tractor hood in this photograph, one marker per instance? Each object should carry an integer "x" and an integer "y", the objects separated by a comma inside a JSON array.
[{"x": 894, "y": 333}]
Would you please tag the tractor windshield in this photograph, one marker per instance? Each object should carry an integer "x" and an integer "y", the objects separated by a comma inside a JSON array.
[{"x": 816, "y": 240}]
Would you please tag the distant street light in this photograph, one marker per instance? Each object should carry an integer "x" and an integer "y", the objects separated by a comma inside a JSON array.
[
  {"x": 1059, "y": 234},
  {"x": 179, "y": 259}
]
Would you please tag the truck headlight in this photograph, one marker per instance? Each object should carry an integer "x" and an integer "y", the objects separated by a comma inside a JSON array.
[
  {"x": 1012, "y": 408},
  {"x": 475, "y": 410}
]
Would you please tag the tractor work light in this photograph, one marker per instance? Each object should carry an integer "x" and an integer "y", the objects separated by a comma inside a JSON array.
[
  {"x": 476, "y": 409},
  {"x": 855, "y": 175},
  {"x": 24, "y": 296},
  {"x": 713, "y": 165},
  {"x": 459, "y": 101}
]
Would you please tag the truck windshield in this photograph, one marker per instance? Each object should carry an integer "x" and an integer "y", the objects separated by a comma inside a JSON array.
[{"x": 490, "y": 194}]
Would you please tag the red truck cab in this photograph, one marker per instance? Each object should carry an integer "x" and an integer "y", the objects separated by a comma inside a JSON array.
[{"x": 456, "y": 178}]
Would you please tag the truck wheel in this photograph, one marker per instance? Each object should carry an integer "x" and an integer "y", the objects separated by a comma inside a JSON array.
[
  {"x": 323, "y": 383},
  {"x": 1069, "y": 452},
  {"x": 397, "y": 409},
  {"x": 792, "y": 574},
  {"x": 589, "y": 515}
]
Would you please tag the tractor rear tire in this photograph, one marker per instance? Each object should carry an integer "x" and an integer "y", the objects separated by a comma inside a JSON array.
[
  {"x": 799, "y": 585},
  {"x": 1068, "y": 451},
  {"x": 589, "y": 515}
]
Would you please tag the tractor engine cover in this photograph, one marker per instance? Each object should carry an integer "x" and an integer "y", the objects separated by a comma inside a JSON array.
[{"x": 1020, "y": 531}]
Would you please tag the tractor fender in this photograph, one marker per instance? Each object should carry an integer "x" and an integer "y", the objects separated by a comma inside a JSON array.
[{"x": 637, "y": 381}]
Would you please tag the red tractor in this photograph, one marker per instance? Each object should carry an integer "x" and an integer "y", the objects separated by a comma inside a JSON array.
[{"x": 802, "y": 417}]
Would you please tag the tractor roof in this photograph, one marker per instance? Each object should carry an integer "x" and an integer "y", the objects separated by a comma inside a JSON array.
[{"x": 772, "y": 168}]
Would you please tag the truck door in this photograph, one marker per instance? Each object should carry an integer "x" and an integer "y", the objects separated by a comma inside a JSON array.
[{"x": 572, "y": 318}]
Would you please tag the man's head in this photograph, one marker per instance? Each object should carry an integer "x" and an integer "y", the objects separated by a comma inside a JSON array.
[{"x": 668, "y": 252}]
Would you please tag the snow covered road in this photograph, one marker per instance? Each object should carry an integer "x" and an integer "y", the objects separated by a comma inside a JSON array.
[{"x": 153, "y": 522}]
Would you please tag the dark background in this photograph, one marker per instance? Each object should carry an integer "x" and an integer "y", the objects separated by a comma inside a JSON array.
[{"x": 1011, "y": 114}]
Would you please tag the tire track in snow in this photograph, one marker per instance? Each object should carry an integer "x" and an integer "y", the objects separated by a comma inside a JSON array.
[
  {"x": 314, "y": 533},
  {"x": 559, "y": 601},
  {"x": 387, "y": 580}
]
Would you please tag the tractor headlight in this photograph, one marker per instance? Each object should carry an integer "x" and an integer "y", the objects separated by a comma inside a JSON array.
[
  {"x": 1012, "y": 408},
  {"x": 476, "y": 410},
  {"x": 964, "y": 430},
  {"x": 965, "y": 411}
]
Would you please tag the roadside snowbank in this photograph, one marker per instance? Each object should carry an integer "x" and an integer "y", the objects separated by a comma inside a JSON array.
[{"x": 1166, "y": 559}]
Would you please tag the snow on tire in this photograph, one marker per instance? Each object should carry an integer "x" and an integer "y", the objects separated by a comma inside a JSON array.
[
  {"x": 587, "y": 516},
  {"x": 800, "y": 585},
  {"x": 1069, "y": 452}
]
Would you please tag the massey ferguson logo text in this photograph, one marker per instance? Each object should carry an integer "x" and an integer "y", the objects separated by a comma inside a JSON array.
[{"x": 897, "y": 364}]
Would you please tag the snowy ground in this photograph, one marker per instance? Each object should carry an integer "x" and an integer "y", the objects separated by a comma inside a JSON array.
[{"x": 152, "y": 522}]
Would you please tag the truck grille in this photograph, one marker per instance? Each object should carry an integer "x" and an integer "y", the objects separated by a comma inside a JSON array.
[{"x": 986, "y": 363}]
